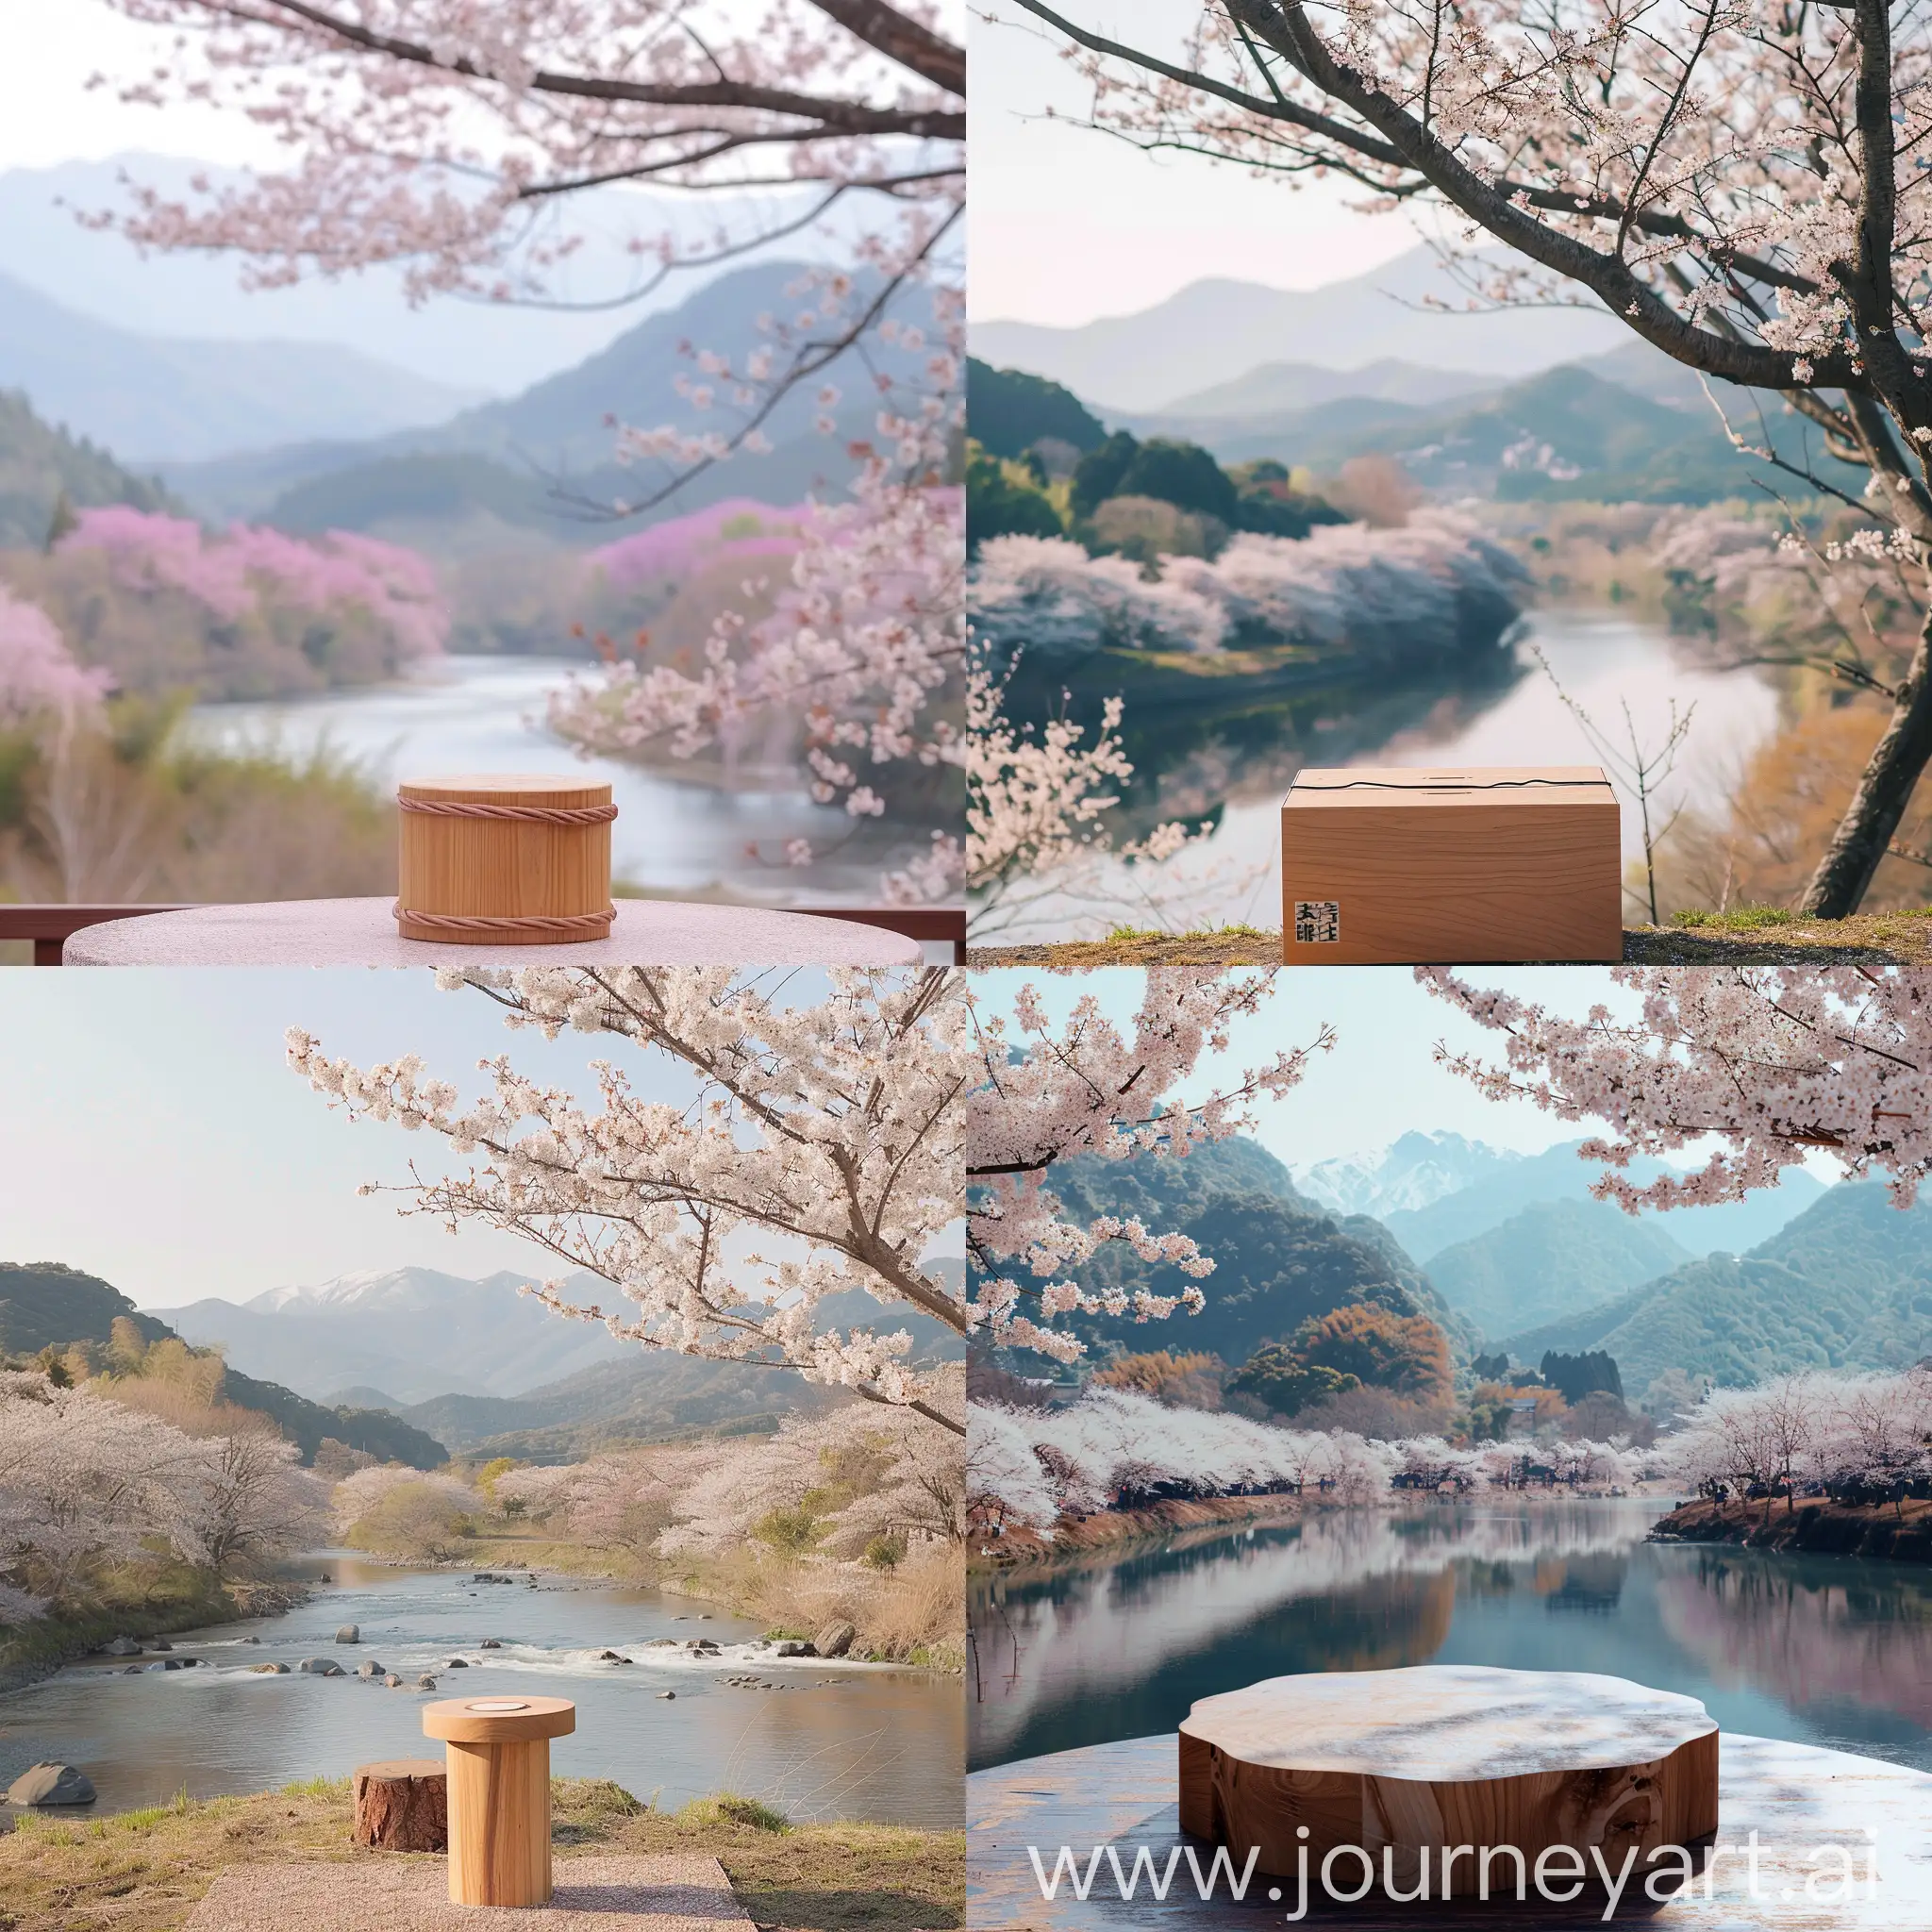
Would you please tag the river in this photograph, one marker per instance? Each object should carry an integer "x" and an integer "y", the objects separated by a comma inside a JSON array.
[
  {"x": 830, "y": 1740},
  {"x": 1830, "y": 1651},
  {"x": 1510, "y": 714},
  {"x": 482, "y": 714}
]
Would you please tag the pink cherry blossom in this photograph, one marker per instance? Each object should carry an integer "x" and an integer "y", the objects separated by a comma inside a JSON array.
[{"x": 37, "y": 674}]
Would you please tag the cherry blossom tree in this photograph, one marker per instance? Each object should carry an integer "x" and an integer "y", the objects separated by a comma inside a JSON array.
[
  {"x": 38, "y": 675},
  {"x": 1090, "y": 1085},
  {"x": 1740, "y": 185},
  {"x": 1775, "y": 1064},
  {"x": 244, "y": 1497},
  {"x": 835, "y": 1128},
  {"x": 454, "y": 139}
]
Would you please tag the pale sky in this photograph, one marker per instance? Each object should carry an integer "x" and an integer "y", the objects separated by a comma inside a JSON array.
[
  {"x": 47, "y": 113},
  {"x": 150, "y": 1132},
  {"x": 1067, "y": 224}
]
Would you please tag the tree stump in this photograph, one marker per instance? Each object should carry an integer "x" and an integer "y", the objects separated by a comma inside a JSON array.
[
  {"x": 403, "y": 1806},
  {"x": 1415, "y": 1761}
]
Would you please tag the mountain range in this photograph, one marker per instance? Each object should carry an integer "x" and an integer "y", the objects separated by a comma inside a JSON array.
[
  {"x": 1153, "y": 360},
  {"x": 1434, "y": 1191},
  {"x": 1846, "y": 1284},
  {"x": 488, "y": 1371},
  {"x": 155, "y": 399}
]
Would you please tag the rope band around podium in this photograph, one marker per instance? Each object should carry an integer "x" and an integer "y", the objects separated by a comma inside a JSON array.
[
  {"x": 562, "y": 925},
  {"x": 536, "y": 814}
]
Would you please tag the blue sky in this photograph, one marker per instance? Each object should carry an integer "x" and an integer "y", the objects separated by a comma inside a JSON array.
[{"x": 151, "y": 1133}]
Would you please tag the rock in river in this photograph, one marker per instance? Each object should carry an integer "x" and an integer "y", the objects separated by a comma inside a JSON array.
[
  {"x": 321, "y": 1667},
  {"x": 489, "y": 1643},
  {"x": 349, "y": 1633},
  {"x": 268, "y": 1670},
  {"x": 835, "y": 1639},
  {"x": 371, "y": 1669},
  {"x": 121, "y": 1646},
  {"x": 51, "y": 1784}
]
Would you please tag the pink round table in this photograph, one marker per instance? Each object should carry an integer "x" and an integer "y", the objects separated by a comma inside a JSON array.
[{"x": 362, "y": 932}]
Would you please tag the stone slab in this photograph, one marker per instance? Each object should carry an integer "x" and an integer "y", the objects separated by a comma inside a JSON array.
[
  {"x": 380, "y": 1894},
  {"x": 1122, "y": 1795}
]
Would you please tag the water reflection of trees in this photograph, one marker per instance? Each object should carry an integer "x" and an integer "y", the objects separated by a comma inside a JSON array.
[
  {"x": 1347, "y": 1590},
  {"x": 1820, "y": 1630}
]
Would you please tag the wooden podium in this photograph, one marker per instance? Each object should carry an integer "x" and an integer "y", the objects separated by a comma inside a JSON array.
[
  {"x": 1387, "y": 866},
  {"x": 497, "y": 1754},
  {"x": 1409, "y": 1763}
]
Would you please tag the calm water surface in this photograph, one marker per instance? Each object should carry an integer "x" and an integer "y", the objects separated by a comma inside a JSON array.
[
  {"x": 480, "y": 714},
  {"x": 1821, "y": 1650},
  {"x": 839, "y": 1740}
]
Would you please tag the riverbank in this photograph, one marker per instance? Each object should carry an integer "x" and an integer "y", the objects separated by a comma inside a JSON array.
[
  {"x": 29, "y": 1652},
  {"x": 1900, "y": 1533},
  {"x": 145, "y": 1870},
  {"x": 1112, "y": 1530},
  {"x": 1755, "y": 937}
]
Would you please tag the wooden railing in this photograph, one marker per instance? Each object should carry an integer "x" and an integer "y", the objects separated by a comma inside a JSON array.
[{"x": 49, "y": 927}]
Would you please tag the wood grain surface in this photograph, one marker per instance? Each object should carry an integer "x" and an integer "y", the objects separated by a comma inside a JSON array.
[
  {"x": 499, "y": 1794},
  {"x": 1409, "y": 1762},
  {"x": 501, "y": 868},
  {"x": 1452, "y": 866},
  {"x": 1123, "y": 1797}
]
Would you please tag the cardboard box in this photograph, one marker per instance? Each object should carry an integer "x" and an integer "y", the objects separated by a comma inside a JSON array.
[{"x": 1477, "y": 866}]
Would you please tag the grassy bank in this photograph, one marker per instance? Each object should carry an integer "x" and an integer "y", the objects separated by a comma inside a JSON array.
[
  {"x": 153, "y": 1602},
  {"x": 1899, "y": 1533},
  {"x": 145, "y": 1870},
  {"x": 1755, "y": 936}
]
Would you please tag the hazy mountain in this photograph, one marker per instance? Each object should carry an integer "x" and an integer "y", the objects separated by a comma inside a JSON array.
[
  {"x": 650, "y": 1394},
  {"x": 1555, "y": 1259},
  {"x": 1847, "y": 1284},
  {"x": 521, "y": 458},
  {"x": 1557, "y": 1175},
  {"x": 410, "y": 1338},
  {"x": 1153, "y": 359},
  {"x": 39, "y": 463},
  {"x": 495, "y": 347},
  {"x": 1411, "y": 1173},
  {"x": 153, "y": 398},
  {"x": 413, "y": 1331},
  {"x": 48, "y": 1304},
  {"x": 1283, "y": 387}
]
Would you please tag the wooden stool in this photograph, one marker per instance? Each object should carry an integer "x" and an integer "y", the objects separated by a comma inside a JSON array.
[
  {"x": 1417, "y": 1760},
  {"x": 497, "y": 1751}
]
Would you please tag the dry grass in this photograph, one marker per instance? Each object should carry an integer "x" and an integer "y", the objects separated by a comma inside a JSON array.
[
  {"x": 1750, "y": 936},
  {"x": 914, "y": 1614},
  {"x": 145, "y": 1870}
]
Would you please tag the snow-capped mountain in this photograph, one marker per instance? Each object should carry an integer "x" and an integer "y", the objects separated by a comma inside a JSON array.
[{"x": 1415, "y": 1171}]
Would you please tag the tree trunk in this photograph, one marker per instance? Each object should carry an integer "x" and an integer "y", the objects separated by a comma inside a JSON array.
[
  {"x": 1884, "y": 790},
  {"x": 403, "y": 1806}
]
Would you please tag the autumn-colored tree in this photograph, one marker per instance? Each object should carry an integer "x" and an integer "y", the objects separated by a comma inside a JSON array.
[
  {"x": 1406, "y": 1352},
  {"x": 1182, "y": 1381}
]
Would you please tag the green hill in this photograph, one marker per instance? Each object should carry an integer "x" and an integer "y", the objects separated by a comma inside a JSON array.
[
  {"x": 1007, "y": 411},
  {"x": 48, "y": 1304},
  {"x": 1847, "y": 1284},
  {"x": 1554, "y": 1260},
  {"x": 1278, "y": 1258},
  {"x": 39, "y": 461}
]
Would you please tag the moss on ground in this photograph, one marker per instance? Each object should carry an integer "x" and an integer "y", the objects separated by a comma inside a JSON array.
[
  {"x": 1748, "y": 935},
  {"x": 146, "y": 1871}
]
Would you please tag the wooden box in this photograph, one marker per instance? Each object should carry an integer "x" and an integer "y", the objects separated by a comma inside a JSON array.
[
  {"x": 497, "y": 859},
  {"x": 1479, "y": 866}
]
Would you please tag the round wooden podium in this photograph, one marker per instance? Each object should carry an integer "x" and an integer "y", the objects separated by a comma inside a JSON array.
[
  {"x": 497, "y": 1756},
  {"x": 1408, "y": 1762}
]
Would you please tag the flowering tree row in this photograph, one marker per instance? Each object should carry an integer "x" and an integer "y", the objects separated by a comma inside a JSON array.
[
  {"x": 1373, "y": 590},
  {"x": 1113, "y": 1449},
  {"x": 829, "y": 1486},
  {"x": 87, "y": 1481},
  {"x": 1850, "y": 1435}
]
